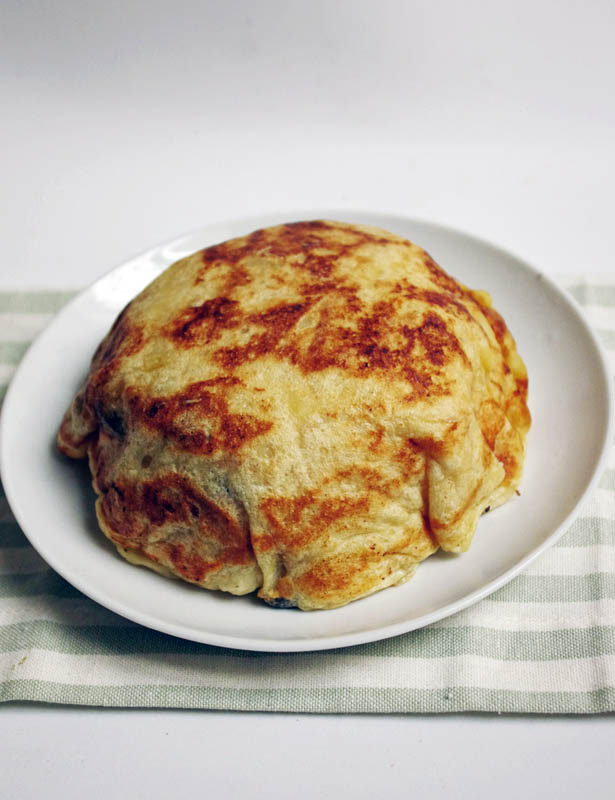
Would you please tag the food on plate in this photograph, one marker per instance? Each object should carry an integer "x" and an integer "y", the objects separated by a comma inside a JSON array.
[{"x": 309, "y": 411}]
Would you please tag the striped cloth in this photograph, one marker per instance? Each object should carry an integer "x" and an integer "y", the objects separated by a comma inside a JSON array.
[{"x": 545, "y": 643}]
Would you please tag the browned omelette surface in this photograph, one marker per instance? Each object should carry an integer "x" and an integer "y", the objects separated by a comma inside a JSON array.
[{"x": 310, "y": 411}]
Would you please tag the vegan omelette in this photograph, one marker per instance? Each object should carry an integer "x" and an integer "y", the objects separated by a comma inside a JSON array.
[{"x": 308, "y": 411}]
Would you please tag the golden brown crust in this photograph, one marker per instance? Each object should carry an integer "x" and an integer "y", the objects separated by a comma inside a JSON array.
[{"x": 310, "y": 410}]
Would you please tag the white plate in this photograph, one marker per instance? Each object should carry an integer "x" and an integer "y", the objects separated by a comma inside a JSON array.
[{"x": 570, "y": 401}]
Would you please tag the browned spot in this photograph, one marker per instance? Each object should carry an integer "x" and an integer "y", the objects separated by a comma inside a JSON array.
[
  {"x": 367, "y": 479},
  {"x": 100, "y": 456},
  {"x": 133, "y": 510},
  {"x": 199, "y": 324},
  {"x": 77, "y": 429},
  {"x": 338, "y": 576},
  {"x": 444, "y": 299},
  {"x": 272, "y": 324},
  {"x": 232, "y": 251},
  {"x": 375, "y": 439},
  {"x": 411, "y": 457},
  {"x": 237, "y": 276},
  {"x": 379, "y": 343},
  {"x": 432, "y": 448},
  {"x": 374, "y": 341},
  {"x": 314, "y": 246},
  {"x": 521, "y": 385},
  {"x": 124, "y": 339},
  {"x": 197, "y": 419},
  {"x": 438, "y": 341},
  {"x": 297, "y": 521},
  {"x": 441, "y": 278},
  {"x": 498, "y": 326},
  {"x": 262, "y": 542},
  {"x": 491, "y": 419},
  {"x": 190, "y": 565},
  {"x": 509, "y": 462},
  {"x": 345, "y": 332},
  {"x": 284, "y": 587}
]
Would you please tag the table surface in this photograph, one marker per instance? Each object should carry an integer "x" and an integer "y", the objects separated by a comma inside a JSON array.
[{"x": 125, "y": 125}]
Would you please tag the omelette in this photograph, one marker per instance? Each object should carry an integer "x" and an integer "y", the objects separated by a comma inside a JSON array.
[{"x": 308, "y": 411}]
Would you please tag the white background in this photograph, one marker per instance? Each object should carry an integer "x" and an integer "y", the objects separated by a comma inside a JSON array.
[{"x": 125, "y": 124}]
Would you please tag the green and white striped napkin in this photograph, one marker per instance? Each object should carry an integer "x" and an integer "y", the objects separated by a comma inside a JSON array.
[{"x": 545, "y": 643}]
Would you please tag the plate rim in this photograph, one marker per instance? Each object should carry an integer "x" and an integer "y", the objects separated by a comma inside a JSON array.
[{"x": 305, "y": 644}]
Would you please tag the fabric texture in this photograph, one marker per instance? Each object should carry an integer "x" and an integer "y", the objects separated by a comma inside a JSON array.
[{"x": 545, "y": 643}]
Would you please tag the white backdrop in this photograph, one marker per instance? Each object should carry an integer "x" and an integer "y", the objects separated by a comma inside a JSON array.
[{"x": 127, "y": 123}]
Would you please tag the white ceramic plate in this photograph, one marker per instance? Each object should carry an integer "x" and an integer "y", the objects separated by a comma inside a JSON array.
[{"x": 570, "y": 401}]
